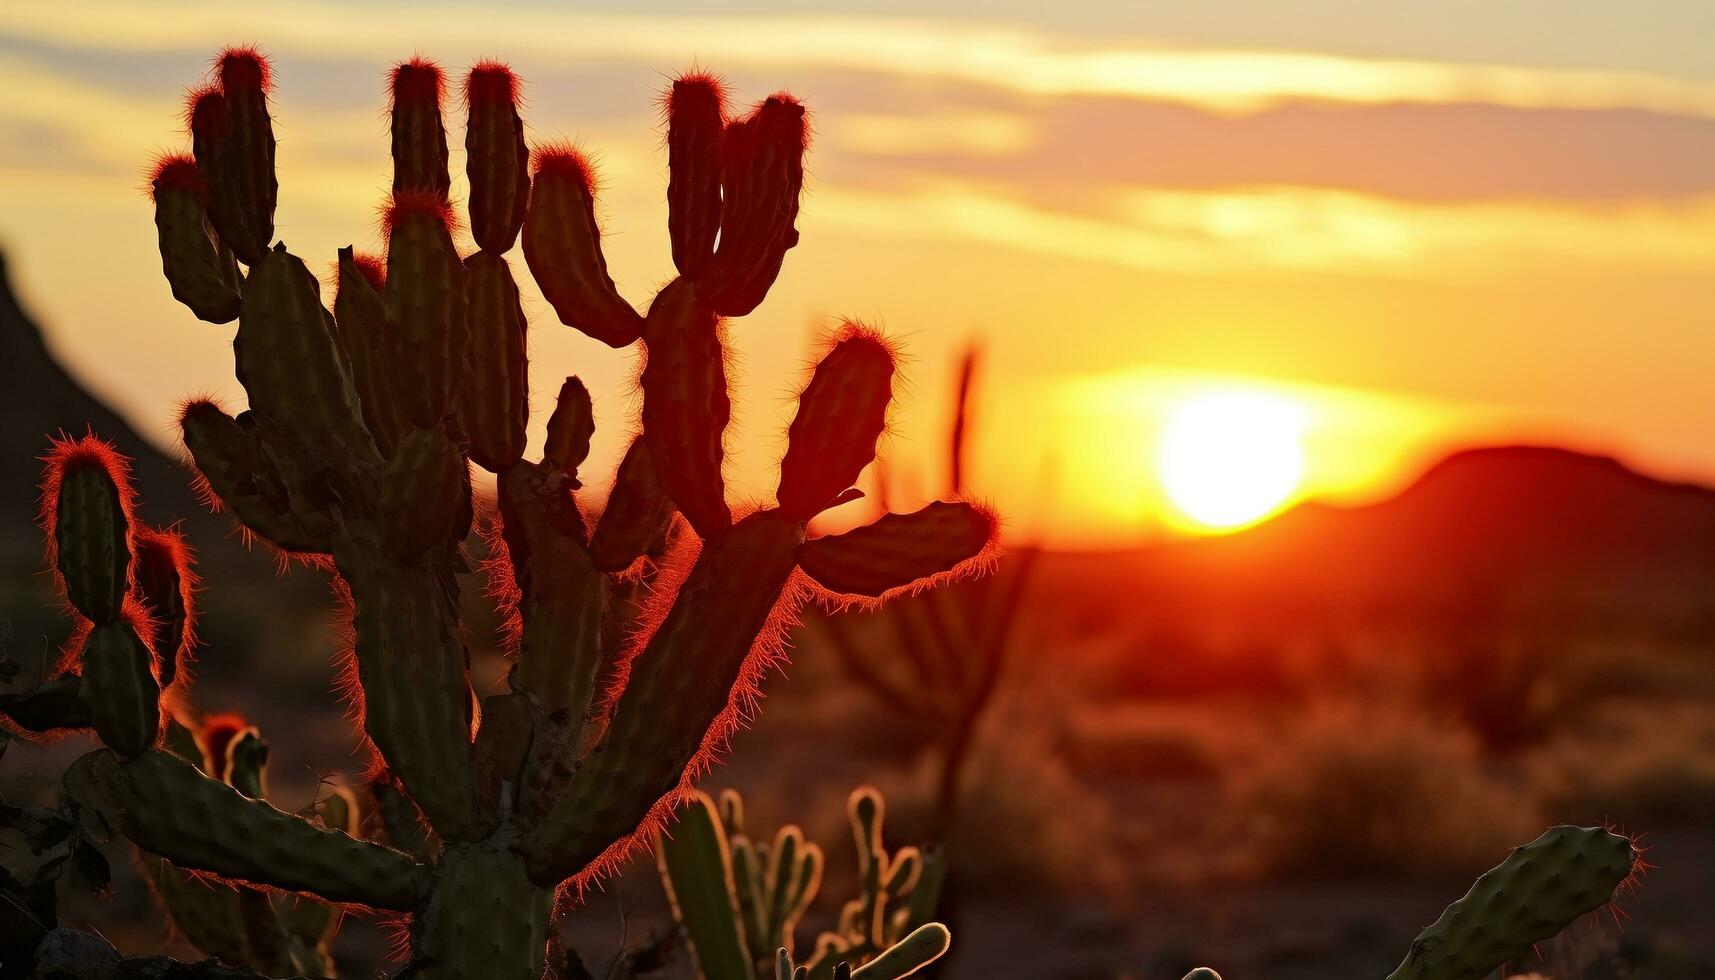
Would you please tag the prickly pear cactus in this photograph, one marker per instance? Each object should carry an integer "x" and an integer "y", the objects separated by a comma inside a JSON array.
[
  {"x": 1540, "y": 889},
  {"x": 640, "y": 633},
  {"x": 739, "y": 899}
]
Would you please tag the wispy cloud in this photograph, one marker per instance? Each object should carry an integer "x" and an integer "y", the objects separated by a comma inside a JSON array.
[
  {"x": 986, "y": 54},
  {"x": 1218, "y": 232}
]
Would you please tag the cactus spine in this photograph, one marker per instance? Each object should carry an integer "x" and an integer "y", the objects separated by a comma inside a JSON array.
[{"x": 354, "y": 452}]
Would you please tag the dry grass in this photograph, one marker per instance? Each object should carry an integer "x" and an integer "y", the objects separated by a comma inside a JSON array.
[{"x": 1356, "y": 790}]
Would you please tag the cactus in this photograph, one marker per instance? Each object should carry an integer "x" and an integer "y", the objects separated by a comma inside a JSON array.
[
  {"x": 239, "y": 923},
  {"x": 354, "y": 454},
  {"x": 1539, "y": 890},
  {"x": 945, "y": 651},
  {"x": 739, "y": 900}
]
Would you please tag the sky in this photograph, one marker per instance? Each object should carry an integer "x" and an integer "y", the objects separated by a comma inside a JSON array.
[{"x": 1425, "y": 224}]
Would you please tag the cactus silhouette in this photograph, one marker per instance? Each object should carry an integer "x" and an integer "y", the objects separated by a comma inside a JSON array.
[
  {"x": 354, "y": 454},
  {"x": 739, "y": 899},
  {"x": 943, "y": 654}
]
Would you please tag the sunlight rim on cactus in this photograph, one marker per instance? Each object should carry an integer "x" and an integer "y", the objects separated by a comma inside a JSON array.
[{"x": 354, "y": 454}]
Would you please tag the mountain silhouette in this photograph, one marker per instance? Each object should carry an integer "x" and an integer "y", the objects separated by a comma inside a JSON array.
[
  {"x": 38, "y": 400},
  {"x": 1494, "y": 533}
]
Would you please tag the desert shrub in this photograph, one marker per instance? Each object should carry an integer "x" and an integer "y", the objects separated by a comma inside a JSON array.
[
  {"x": 1634, "y": 764},
  {"x": 1031, "y": 822},
  {"x": 1355, "y": 790}
]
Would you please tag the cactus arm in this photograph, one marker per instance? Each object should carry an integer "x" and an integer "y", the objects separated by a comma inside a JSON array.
[
  {"x": 190, "y": 254},
  {"x": 561, "y": 595},
  {"x": 747, "y": 875},
  {"x": 360, "y": 315},
  {"x": 841, "y": 414},
  {"x": 782, "y": 872},
  {"x": 680, "y": 682},
  {"x": 763, "y": 160},
  {"x": 493, "y": 397},
  {"x": 205, "y": 911},
  {"x": 425, "y": 299},
  {"x": 242, "y": 478},
  {"x": 249, "y": 139},
  {"x": 419, "y": 138},
  {"x": 53, "y": 704},
  {"x": 120, "y": 688},
  {"x": 925, "y": 896},
  {"x": 898, "y": 550},
  {"x": 569, "y": 429},
  {"x": 167, "y": 806},
  {"x": 411, "y": 662},
  {"x": 401, "y": 820},
  {"x": 685, "y": 404},
  {"x": 562, "y": 245},
  {"x": 697, "y": 870},
  {"x": 926, "y": 944},
  {"x": 696, "y": 123},
  {"x": 496, "y": 160},
  {"x": 291, "y": 365},
  {"x": 1540, "y": 889},
  {"x": 638, "y": 515}
]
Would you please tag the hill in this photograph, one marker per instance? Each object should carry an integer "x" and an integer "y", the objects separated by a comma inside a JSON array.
[
  {"x": 39, "y": 398},
  {"x": 1515, "y": 532}
]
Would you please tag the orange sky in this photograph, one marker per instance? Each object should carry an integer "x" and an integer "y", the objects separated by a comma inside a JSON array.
[{"x": 1486, "y": 227}]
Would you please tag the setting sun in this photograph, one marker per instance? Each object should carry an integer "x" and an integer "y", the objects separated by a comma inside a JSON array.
[{"x": 1228, "y": 458}]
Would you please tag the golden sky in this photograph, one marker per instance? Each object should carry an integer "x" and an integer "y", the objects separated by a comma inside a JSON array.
[{"x": 1427, "y": 225}]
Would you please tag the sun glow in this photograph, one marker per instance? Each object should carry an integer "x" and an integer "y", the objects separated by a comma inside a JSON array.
[{"x": 1230, "y": 457}]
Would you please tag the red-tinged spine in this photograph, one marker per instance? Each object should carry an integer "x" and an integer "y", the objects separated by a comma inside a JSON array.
[
  {"x": 86, "y": 511},
  {"x": 493, "y": 396},
  {"x": 570, "y": 429},
  {"x": 685, "y": 404},
  {"x": 696, "y": 126},
  {"x": 425, "y": 305},
  {"x": 764, "y": 172},
  {"x": 562, "y": 244},
  {"x": 249, "y": 154},
  {"x": 191, "y": 258},
  {"x": 216, "y": 154},
  {"x": 496, "y": 159},
  {"x": 360, "y": 314},
  {"x": 419, "y": 137},
  {"x": 899, "y": 551},
  {"x": 166, "y": 582},
  {"x": 841, "y": 414},
  {"x": 638, "y": 513}
]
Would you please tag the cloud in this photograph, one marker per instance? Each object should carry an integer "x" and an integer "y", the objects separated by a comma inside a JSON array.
[
  {"x": 1191, "y": 232},
  {"x": 1000, "y": 56},
  {"x": 1458, "y": 152}
]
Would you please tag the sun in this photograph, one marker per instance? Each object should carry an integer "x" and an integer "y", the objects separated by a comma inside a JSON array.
[{"x": 1230, "y": 457}]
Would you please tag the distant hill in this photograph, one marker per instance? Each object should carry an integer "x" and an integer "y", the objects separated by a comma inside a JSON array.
[
  {"x": 1506, "y": 532},
  {"x": 38, "y": 398}
]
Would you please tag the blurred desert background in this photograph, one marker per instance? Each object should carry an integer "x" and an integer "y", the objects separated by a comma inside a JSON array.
[{"x": 1427, "y": 293}]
